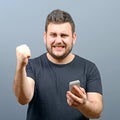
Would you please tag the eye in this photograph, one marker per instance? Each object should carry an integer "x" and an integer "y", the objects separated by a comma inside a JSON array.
[
  {"x": 53, "y": 34},
  {"x": 64, "y": 35}
]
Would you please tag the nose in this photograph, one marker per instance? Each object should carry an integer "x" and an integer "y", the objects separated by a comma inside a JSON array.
[{"x": 58, "y": 39}]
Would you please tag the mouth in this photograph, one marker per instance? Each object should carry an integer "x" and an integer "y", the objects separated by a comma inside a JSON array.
[{"x": 59, "y": 45}]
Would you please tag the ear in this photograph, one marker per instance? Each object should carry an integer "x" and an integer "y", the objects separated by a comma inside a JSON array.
[
  {"x": 45, "y": 37},
  {"x": 74, "y": 37}
]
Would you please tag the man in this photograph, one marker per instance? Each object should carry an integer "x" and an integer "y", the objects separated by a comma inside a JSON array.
[{"x": 43, "y": 82}]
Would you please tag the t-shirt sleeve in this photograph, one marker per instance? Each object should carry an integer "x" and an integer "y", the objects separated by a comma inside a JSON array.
[
  {"x": 94, "y": 79},
  {"x": 30, "y": 70}
]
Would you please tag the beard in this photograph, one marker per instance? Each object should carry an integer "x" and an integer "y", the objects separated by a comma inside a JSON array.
[{"x": 62, "y": 56}]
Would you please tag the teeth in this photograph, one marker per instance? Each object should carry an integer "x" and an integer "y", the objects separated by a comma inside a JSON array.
[
  {"x": 62, "y": 46},
  {"x": 59, "y": 46}
]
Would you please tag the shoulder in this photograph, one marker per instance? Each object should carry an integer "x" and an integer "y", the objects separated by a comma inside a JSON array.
[
  {"x": 84, "y": 61},
  {"x": 86, "y": 64},
  {"x": 37, "y": 59}
]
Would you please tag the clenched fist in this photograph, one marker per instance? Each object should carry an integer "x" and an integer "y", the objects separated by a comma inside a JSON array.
[{"x": 22, "y": 54}]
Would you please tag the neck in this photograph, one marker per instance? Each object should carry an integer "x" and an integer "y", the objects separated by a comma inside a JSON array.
[{"x": 65, "y": 60}]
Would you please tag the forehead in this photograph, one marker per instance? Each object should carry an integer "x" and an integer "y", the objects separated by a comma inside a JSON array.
[{"x": 62, "y": 27}]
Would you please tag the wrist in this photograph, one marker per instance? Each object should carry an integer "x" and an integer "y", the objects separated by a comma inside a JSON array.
[
  {"x": 20, "y": 67},
  {"x": 83, "y": 106}
]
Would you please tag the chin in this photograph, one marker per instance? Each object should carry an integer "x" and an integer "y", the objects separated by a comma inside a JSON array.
[{"x": 59, "y": 57}]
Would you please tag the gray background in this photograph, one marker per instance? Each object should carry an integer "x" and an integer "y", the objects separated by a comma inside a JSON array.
[{"x": 98, "y": 39}]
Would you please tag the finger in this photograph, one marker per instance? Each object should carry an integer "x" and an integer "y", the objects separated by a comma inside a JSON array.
[
  {"x": 27, "y": 53},
  {"x": 23, "y": 50},
  {"x": 26, "y": 50},
  {"x": 69, "y": 100},
  {"x": 77, "y": 91},
  {"x": 80, "y": 92},
  {"x": 74, "y": 98}
]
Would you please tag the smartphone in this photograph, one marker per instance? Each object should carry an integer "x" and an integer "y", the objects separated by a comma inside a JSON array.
[{"x": 72, "y": 83}]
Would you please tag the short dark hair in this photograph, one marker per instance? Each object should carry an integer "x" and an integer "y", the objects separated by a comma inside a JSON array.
[{"x": 58, "y": 16}]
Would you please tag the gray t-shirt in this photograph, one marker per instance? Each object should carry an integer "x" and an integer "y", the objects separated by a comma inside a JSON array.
[{"x": 51, "y": 84}]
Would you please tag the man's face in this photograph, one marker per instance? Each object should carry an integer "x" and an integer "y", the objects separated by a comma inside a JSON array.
[{"x": 59, "y": 40}]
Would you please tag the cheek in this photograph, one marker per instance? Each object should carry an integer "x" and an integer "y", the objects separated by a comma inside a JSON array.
[
  {"x": 50, "y": 40},
  {"x": 69, "y": 42}
]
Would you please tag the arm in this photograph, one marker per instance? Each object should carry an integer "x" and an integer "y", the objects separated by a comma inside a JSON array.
[
  {"x": 23, "y": 86},
  {"x": 89, "y": 104}
]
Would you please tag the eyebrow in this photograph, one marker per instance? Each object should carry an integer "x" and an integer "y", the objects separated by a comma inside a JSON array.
[{"x": 60, "y": 33}]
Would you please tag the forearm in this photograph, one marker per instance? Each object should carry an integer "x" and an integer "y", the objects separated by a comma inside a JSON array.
[
  {"x": 89, "y": 104},
  {"x": 22, "y": 86},
  {"x": 91, "y": 109}
]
